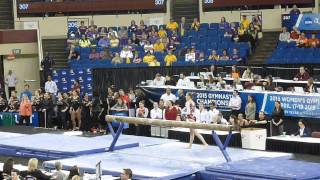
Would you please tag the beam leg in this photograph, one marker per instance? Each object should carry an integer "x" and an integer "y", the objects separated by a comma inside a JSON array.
[
  {"x": 227, "y": 141},
  {"x": 221, "y": 146},
  {"x": 111, "y": 129},
  {"x": 116, "y": 137}
]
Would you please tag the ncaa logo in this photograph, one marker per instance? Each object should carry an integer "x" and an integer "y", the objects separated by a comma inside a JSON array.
[
  {"x": 89, "y": 86},
  {"x": 71, "y": 72},
  {"x": 65, "y": 88},
  {"x": 88, "y": 71},
  {"x": 80, "y": 72},
  {"x": 72, "y": 79},
  {"x": 64, "y": 80},
  {"x": 80, "y": 79},
  {"x": 63, "y": 72},
  {"x": 89, "y": 78},
  {"x": 56, "y": 80}
]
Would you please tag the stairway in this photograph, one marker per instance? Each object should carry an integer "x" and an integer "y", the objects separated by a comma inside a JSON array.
[
  {"x": 6, "y": 15},
  {"x": 185, "y": 8},
  {"x": 57, "y": 50},
  {"x": 265, "y": 48}
]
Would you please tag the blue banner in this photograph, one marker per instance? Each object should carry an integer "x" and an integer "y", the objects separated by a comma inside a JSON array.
[
  {"x": 294, "y": 105},
  {"x": 12, "y": 118},
  {"x": 308, "y": 22}
]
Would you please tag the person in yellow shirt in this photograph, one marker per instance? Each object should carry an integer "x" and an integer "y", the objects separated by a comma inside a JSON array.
[
  {"x": 162, "y": 33},
  {"x": 245, "y": 22},
  {"x": 172, "y": 25},
  {"x": 158, "y": 46},
  {"x": 150, "y": 59},
  {"x": 114, "y": 41},
  {"x": 84, "y": 41},
  {"x": 170, "y": 58},
  {"x": 195, "y": 24}
]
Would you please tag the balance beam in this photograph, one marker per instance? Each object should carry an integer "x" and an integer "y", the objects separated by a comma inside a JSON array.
[{"x": 167, "y": 123}]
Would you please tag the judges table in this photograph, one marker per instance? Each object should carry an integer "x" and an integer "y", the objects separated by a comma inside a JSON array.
[
  {"x": 294, "y": 144},
  {"x": 183, "y": 134},
  {"x": 294, "y": 104}
]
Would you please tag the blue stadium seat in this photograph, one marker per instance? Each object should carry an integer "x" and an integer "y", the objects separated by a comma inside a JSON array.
[
  {"x": 214, "y": 25},
  {"x": 204, "y": 26}
]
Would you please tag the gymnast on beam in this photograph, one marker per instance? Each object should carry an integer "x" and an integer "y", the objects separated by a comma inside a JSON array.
[{"x": 193, "y": 115}]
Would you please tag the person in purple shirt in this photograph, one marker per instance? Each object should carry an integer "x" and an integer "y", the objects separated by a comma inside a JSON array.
[
  {"x": 235, "y": 55},
  {"x": 104, "y": 42},
  {"x": 153, "y": 39},
  {"x": 224, "y": 24},
  {"x": 133, "y": 27},
  {"x": 295, "y": 10}
]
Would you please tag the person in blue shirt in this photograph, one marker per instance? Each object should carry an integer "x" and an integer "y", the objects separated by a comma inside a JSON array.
[{"x": 26, "y": 92}]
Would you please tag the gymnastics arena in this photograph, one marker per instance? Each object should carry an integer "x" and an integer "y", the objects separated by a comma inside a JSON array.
[{"x": 159, "y": 90}]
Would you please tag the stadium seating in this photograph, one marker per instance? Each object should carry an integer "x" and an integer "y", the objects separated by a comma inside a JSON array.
[{"x": 208, "y": 38}]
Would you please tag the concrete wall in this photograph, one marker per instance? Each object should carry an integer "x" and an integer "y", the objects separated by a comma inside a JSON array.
[
  {"x": 57, "y": 26},
  {"x": 26, "y": 67},
  {"x": 26, "y": 48}
]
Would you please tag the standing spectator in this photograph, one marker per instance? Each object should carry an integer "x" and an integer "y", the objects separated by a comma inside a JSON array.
[
  {"x": 170, "y": 112},
  {"x": 142, "y": 112},
  {"x": 26, "y": 92},
  {"x": 47, "y": 64},
  {"x": 203, "y": 114},
  {"x": 58, "y": 175},
  {"x": 156, "y": 112},
  {"x": 168, "y": 96},
  {"x": 75, "y": 110},
  {"x": 172, "y": 25},
  {"x": 181, "y": 99},
  {"x": 250, "y": 110},
  {"x": 195, "y": 24},
  {"x": 294, "y": 10},
  {"x": 294, "y": 34},
  {"x": 170, "y": 58},
  {"x": 86, "y": 113},
  {"x": 51, "y": 88},
  {"x": 224, "y": 24},
  {"x": 284, "y": 35},
  {"x": 182, "y": 27},
  {"x": 133, "y": 27},
  {"x": 303, "y": 75},
  {"x": 63, "y": 107},
  {"x": 235, "y": 103},
  {"x": 47, "y": 107},
  {"x": 245, "y": 22},
  {"x": 183, "y": 81},
  {"x": 3, "y": 104},
  {"x": 13, "y": 104},
  {"x": 126, "y": 175},
  {"x": 25, "y": 110},
  {"x": 277, "y": 119},
  {"x": 213, "y": 112},
  {"x": 123, "y": 36},
  {"x": 11, "y": 81},
  {"x": 82, "y": 28},
  {"x": 34, "y": 171}
]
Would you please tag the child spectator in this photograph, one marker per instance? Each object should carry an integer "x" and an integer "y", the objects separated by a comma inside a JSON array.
[
  {"x": 224, "y": 55},
  {"x": 170, "y": 58}
]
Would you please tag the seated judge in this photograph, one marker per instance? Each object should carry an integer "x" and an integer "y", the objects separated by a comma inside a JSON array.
[
  {"x": 303, "y": 130},
  {"x": 303, "y": 75}
]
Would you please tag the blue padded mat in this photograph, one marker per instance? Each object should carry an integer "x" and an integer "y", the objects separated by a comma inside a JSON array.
[
  {"x": 200, "y": 154},
  {"x": 163, "y": 161},
  {"x": 55, "y": 146},
  {"x": 144, "y": 167},
  {"x": 280, "y": 168},
  {"x": 5, "y": 135}
]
